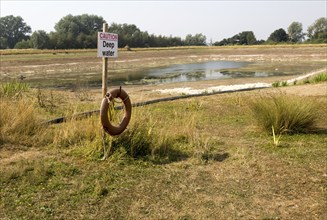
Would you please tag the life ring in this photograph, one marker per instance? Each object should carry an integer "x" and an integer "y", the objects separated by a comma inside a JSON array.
[{"x": 107, "y": 126}]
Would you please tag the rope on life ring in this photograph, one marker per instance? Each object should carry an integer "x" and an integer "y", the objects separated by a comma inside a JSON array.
[{"x": 107, "y": 126}]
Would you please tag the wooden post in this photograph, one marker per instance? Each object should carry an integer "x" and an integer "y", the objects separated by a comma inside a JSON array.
[{"x": 104, "y": 67}]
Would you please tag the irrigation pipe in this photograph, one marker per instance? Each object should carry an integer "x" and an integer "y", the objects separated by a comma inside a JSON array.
[
  {"x": 89, "y": 113},
  {"x": 138, "y": 104}
]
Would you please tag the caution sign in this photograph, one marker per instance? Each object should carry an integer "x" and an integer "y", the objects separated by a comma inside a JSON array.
[{"x": 107, "y": 44}]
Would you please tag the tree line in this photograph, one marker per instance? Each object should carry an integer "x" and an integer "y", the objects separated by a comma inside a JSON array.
[{"x": 77, "y": 32}]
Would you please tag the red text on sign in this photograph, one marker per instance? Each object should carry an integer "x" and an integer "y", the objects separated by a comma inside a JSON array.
[{"x": 107, "y": 36}]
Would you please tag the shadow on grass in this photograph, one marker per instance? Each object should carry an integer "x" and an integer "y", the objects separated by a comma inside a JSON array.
[
  {"x": 170, "y": 156},
  {"x": 139, "y": 145},
  {"x": 215, "y": 157},
  {"x": 321, "y": 131}
]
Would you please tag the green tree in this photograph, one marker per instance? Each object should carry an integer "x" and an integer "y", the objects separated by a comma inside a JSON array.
[
  {"x": 58, "y": 41},
  {"x": 129, "y": 34},
  {"x": 3, "y": 43},
  {"x": 317, "y": 32},
  {"x": 295, "y": 32},
  {"x": 223, "y": 42},
  {"x": 278, "y": 36},
  {"x": 24, "y": 44},
  {"x": 243, "y": 38},
  {"x": 12, "y": 30},
  {"x": 40, "y": 40},
  {"x": 77, "y": 31},
  {"x": 196, "y": 40},
  {"x": 247, "y": 38},
  {"x": 87, "y": 41}
]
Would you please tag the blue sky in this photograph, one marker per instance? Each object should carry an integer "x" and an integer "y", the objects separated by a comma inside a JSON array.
[{"x": 215, "y": 19}]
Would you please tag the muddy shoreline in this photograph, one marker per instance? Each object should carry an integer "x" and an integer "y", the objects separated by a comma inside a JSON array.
[{"x": 82, "y": 71}]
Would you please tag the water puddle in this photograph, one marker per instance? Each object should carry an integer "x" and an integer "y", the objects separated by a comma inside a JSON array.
[
  {"x": 188, "y": 72},
  {"x": 209, "y": 70}
]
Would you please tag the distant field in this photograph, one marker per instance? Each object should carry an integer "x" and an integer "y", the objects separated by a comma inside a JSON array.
[{"x": 44, "y": 51}]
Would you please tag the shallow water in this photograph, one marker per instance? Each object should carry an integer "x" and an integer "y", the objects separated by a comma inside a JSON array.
[
  {"x": 175, "y": 73},
  {"x": 187, "y": 72}
]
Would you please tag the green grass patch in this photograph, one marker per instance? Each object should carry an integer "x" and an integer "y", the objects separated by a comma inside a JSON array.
[
  {"x": 13, "y": 89},
  {"x": 319, "y": 78},
  {"x": 286, "y": 114},
  {"x": 322, "y": 77},
  {"x": 279, "y": 84}
]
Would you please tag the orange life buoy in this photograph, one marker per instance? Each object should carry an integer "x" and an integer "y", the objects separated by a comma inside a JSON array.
[{"x": 107, "y": 126}]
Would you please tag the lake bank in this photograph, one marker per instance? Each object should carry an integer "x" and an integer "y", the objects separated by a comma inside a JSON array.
[{"x": 83, "y": 70}]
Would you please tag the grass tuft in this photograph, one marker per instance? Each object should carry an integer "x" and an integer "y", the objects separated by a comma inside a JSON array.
[
  {"x": 141, "y": 141},
  {"x": 319, "y": 78},
  {"x": 19, "y": 123},
  {"x": 286, "y": 114},
  {"x": 76, "y": 132},
  {"x": 13, "y": 89},
  {"x": 279, "y": 84},
  {"x": 137, "y": 140}
]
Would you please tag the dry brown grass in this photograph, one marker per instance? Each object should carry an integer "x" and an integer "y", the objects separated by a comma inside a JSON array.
[
  {"x": 18, "y": 121},
  {"x": 215, "y": 164}
]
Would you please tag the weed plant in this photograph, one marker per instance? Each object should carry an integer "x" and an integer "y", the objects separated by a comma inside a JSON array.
[
  {"x": 76, "y": 133},
  {"x": 19, "y": 123},
  {"x": 284, "y": 83},
  {"x": 276, "y": 84},
  {"x": 279, "y": 84},
  {"x": 13, "y": 89},
  {"x": 142, "y": 140},
  {"x": 322, "y": 77},
  {"x": 286, "y": 114},
  {"x": 319, "y": 78},
  {"x": 137, "y": 141}
]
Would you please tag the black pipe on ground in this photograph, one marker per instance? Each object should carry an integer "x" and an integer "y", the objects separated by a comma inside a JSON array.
[{"x": 89, "y": 113}]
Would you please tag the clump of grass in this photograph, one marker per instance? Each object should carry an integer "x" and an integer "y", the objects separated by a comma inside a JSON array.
[
  {"x": 137, "y": 140},
  {"x": 284, "y": 83},
  {"x": 143, "y": 139},
  {"x": 279, "y": 84},
  {"x": 275, "y": 84},
  {"x": 322, "y": 77},
  {"x": 286, "y": 114},
  {"x": 140, "y": 140},
  {"x": 74, "y": 132},
  {"x": 319, "y": 78},
  {"x": 18, "y": 122},
  {"x": 13, "y": 89}
]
